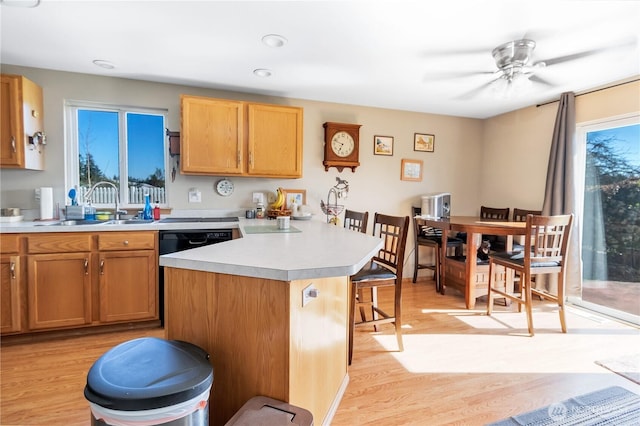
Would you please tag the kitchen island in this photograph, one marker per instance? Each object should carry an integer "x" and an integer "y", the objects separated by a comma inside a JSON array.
[{"x": 271, "y": 308}]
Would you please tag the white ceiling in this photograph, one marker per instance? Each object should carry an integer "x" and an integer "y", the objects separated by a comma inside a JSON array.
[{"x": 406, "y": 55}]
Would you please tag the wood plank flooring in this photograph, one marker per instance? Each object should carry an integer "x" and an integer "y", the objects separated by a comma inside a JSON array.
[{"x": 459, "y": 367}]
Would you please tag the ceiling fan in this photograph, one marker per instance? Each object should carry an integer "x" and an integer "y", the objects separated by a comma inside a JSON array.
[{"x": 516, "y": 70}]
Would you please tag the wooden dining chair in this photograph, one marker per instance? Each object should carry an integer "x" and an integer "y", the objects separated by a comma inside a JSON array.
[
  {"x": 550, "y": 238},
  {"x": 385, "y": 269},
  {"x": 495, "y": 213},
  {"x": 431, "y": 240},
  {"x": 356, "y": 221},
  {"x": 520, "y": 215}
]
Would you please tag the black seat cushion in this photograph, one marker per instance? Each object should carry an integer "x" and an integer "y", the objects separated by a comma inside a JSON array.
[
  {"x": 518, "y": 257},
  {"x": 373, "y": 271}
]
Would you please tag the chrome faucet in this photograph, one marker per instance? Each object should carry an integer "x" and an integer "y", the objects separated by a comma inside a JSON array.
[{"x": 116, "y": 212}]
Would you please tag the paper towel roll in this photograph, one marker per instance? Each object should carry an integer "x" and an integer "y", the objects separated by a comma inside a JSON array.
[{"x": 46, "y": 203}]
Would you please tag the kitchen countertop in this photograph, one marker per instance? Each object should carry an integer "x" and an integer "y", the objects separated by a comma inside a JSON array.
[{"x": 319, "y": 250}]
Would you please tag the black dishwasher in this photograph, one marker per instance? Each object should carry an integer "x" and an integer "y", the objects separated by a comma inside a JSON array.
[{"x": 185, "y": 239}]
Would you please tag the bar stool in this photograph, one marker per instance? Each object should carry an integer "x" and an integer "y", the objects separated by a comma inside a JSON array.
[{"x": 433, "y": 241}]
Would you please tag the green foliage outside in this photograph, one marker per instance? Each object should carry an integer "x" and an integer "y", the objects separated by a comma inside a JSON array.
[{"x": 616, "y": 182}]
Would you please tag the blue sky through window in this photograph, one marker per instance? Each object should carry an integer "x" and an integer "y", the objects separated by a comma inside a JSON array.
[{"x": 98, "y": 134}]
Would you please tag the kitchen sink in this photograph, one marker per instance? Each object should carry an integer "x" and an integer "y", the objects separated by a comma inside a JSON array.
[
  {"x": 78, "y": 222},
  {"x": 72, "y": 222},
  {"x": 128, "y": 221}
]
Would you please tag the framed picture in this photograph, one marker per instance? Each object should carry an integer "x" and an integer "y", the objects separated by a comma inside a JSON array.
[
  {"x": 411, "y": 170},
  {"x": 298, "y": 196},
  {"x": 423, "y": 142},
  {"x": 383, "y": 145}
]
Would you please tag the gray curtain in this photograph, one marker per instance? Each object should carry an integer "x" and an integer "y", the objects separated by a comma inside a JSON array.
[{"x": 560, "y": 195}]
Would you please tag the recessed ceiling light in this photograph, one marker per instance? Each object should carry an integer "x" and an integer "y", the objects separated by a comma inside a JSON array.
[
  {"x": 274, "y": 40},
  {"x": 104, "y": 64},
  {"x": 262, "y": 72}
]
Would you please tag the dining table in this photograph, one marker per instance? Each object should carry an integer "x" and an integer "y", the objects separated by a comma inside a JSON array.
[{"x": 466, "y": 273}]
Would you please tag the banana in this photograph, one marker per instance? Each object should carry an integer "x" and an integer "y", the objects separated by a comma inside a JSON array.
[{"x": 279, "y": 202}]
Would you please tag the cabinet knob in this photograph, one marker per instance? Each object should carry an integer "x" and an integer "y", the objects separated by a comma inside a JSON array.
[{"x": 125, "y": 242}]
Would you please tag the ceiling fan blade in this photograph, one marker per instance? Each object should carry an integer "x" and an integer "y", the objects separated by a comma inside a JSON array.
[
  {"x": 536, "y": 79},
  {"x": 472, "y": 93},
  {"x": 447, "y": 75},
  {"x": 628, "y": 42}
]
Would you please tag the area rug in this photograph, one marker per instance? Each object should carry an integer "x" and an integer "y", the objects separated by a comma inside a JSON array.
[
  {"x": 611, "y": 406},
  {"x": 627, "y": 366}
]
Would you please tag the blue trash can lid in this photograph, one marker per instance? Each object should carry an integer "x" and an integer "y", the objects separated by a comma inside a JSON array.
[{"x": 148, "y": 373}]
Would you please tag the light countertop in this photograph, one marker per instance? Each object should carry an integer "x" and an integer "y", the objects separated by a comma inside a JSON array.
[{"x": 319, "y": 250}]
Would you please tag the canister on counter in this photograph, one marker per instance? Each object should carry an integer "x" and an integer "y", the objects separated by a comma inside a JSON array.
[{"x": 260, "y": 211}]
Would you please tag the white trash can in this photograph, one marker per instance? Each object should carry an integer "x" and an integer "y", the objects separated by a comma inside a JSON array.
[{"x": 150, "y": 381}]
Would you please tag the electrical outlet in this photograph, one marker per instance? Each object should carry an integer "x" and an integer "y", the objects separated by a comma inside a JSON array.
[
  {"x": 195, "y": 196},
  {"x": 309, "y": 293},
  {"x": 37, "y": 194},
  {"x": 258, "y": 197}
]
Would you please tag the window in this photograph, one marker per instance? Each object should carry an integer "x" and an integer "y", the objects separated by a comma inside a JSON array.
[
  {"x": 123, "y": 146},
  {"x": 611, "y": 217}
]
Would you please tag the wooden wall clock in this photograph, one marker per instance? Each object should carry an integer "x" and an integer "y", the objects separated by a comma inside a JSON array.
[{"x": 341, "y": 146}]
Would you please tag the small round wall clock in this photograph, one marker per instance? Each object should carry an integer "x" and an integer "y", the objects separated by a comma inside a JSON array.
[
  {"x": 224, "y": 187},
  {"x": 341, "y": 146}
]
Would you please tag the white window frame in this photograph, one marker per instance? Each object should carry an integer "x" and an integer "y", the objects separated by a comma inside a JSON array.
[
  {"x": 581, "y": 134},
  {"x": 72, "y": 172}
]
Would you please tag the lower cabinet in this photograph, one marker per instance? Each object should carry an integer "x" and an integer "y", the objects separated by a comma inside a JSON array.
[
  {"x": 128, "y": 277},
  {"x": 11, "y": 285},
  {"x": 59, "y": 290},
  {"x": 69, "y": 280}
]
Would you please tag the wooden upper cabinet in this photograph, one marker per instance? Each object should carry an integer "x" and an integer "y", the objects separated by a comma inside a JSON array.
[
  {"x": 21, "y": 117},
  {"x": 224, "y": 137},
  {"x": 274, "y": 140},
  {"x": 212, "y": 135}
]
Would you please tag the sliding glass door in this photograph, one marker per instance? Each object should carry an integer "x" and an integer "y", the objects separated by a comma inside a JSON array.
[{"x": 611, "y": 218}]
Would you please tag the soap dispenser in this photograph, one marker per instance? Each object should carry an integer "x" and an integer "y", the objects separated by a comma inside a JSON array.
[{"x": 147, "y": 213}]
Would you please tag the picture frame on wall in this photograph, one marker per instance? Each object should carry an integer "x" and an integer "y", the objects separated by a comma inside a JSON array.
[
  {"x": 383, "y": 145},
  {"x": 298, "y": 196},
  {"x": 411, "y": 170},
  {"x": 424, "y": 142}
]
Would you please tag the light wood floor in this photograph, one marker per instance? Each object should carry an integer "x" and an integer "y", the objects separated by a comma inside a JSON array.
[{"x": 459, "y": 366}]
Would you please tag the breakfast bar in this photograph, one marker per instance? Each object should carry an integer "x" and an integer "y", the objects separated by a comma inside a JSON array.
[{"x": 271, "y": 308}]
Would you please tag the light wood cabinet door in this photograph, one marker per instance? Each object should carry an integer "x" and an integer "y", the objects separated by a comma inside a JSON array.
[
  {"x": 274, "y": 141},
  {"x": 128, "y": 285},
  {"x": 11, "y": 284},
  {"x": 59, "y": 290},
  {"x": 212, "y": 136},
  {"x": 21, "y": 116}
]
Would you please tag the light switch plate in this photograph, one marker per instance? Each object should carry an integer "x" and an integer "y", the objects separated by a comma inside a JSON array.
[{"x": 195, "y": 196}]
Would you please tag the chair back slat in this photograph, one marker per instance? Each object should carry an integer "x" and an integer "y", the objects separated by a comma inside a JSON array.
[
  {"x": 393, "y": 230},
  {"x": 356, "y": 221},
  {"x": 520, "y": 215},
  {"x": 550, "y": 238},
  {"x": 494, "y": 213}
]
